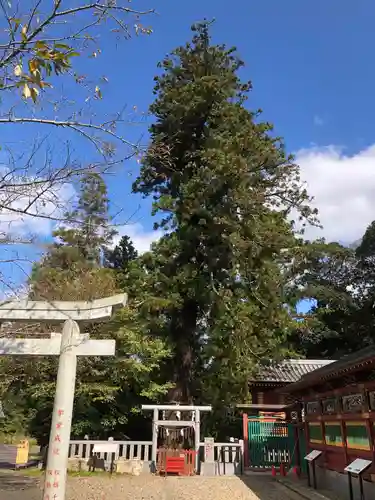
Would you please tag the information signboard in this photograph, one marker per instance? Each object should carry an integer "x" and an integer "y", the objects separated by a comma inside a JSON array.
[
  {"x": 358, "y": 466},
  {"x": 109, "y": 447},
  {"x": 313, "y": 455}
]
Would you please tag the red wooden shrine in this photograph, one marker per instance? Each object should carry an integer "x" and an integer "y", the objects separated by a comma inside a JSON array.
[
  {"x": 339, "y": 410},
  {"x": 180, "y": 462}
]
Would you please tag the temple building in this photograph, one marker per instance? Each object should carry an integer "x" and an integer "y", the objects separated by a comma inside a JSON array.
[
  {"x": 339, "y": 417},
  {"x": 265, "y": 385}
]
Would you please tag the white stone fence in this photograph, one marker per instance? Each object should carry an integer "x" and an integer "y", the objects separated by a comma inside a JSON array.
[
  {"x": 228, "y": 457},
  {"x": 127, "y": 450},
  {"x": 225, "y": 452},
  {"x": 221, "y": 459}
]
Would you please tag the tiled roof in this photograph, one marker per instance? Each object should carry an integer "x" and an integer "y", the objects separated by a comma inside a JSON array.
[
  {"x": 288, "y": 371},
  {"x": 364, "y": 357}
]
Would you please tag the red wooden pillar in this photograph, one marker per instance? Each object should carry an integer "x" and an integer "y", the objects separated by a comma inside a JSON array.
[
  {"x": 245, "y": 427},
  {"x": 371, "y": 435}
]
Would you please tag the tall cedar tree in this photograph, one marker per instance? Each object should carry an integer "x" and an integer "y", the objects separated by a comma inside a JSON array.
[{"x": 225, "y": 188}]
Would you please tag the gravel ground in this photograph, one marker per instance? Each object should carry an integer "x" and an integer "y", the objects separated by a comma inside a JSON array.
[{"x": 152, "y": 488}]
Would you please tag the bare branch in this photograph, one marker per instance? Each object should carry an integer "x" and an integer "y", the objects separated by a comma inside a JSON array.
[
  {"x": 40, "y": 41},
  {"x": 74, "y": 125}
]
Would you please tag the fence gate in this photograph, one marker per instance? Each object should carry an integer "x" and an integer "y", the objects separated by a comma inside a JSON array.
[{"x": 271, "y": 443}]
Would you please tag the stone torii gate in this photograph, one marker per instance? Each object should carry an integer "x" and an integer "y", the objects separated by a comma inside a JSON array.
[{"x": 67, "y": 345}]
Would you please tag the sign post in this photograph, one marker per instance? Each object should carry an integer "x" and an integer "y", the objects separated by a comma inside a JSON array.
[
  {"x": 67, "y": 346},
  {"x": 110, "y": 448},
  {"x": 357, "y": 468},
  {"x": 311, "y": 459}
]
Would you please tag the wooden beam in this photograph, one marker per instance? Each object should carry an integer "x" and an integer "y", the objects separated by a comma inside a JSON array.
[
  {"x": 254, "y": 406},
  {"x": 176, "y": 407},
  {"x": 57, "y": 311},
  {"x": 175, "y": 423}
]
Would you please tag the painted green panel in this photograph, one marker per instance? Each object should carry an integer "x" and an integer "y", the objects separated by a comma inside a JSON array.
[
  {"x": 333, "y": 434},
  {"x": 356, "y": 436},
  {"x": 315, "y": 433}
]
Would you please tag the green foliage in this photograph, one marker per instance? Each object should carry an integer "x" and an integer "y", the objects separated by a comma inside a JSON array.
[
  {"x": 108, "y": 390},
  {"x": 224, "y": 187},
  {"x": 342, "y": 281},
  {"x": 120, "y": 257}
]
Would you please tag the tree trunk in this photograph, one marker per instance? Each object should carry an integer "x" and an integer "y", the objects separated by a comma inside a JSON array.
[{"x": 184, "y": 337}]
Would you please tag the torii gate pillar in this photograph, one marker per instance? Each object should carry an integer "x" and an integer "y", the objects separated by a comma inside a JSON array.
[{"x": 58, "y": 449}]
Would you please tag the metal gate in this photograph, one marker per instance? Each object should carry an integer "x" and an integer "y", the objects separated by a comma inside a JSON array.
[{"x": 271, "y": 443}]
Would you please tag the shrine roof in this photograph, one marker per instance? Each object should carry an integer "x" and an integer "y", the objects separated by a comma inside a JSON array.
[
  {"x": 365, "y": 358},
  {"x": 287, "y": 371}
]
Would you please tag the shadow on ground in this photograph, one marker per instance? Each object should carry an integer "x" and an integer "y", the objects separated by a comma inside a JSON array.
[
  {"x": 265, "y": 487},
  {"x": 15, "y": 481}
]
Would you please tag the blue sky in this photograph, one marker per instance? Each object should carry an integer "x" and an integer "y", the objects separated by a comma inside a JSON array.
[{"x": 312, "y": 65}]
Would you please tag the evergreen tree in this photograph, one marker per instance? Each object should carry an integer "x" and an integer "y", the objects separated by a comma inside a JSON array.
[
  {"x": 120, "y": 257},
  {"x": 224, "y": 187},
  {"x": 79, "y": 246},
  {"x": 108, "y": 389},
  {"x": 342, "y": 282}
]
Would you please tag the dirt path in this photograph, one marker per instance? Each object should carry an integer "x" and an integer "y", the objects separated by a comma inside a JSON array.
[{"x": 147, "y": 487}]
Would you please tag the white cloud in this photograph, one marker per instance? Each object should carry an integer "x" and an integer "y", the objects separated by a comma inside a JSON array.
[
  {"x": 141, "y": 238},
  {"x": 43, "y": 207},
  {"x": 318, "y": 121},
  {"x": 343, "y": 188}
]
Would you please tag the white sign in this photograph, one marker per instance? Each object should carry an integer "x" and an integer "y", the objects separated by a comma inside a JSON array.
[
  {"x": 358, "y": 466},
  {"x": 105, "y": 448},
  {"x": 209, "y": 447},
  {"x": 313, "y": 455}
]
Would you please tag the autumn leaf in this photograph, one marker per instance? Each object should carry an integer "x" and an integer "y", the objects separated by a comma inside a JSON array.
[
  {"x": 33, "y": 65},
  {"x": 24, "y": 33},
  {"x": 98, "y": 92},
  {"x": 34, "y": 94},
  {"x": 26, "y": 92},
  {"x": 40, "y": 44},
  {"x": 17, "y": 70}
]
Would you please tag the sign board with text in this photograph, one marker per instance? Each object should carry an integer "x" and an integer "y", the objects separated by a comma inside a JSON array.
[
  {"x": 109, "y": 447},
  {"x": 358, "y": 466},
  {"x": 313, "y": 455}
]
